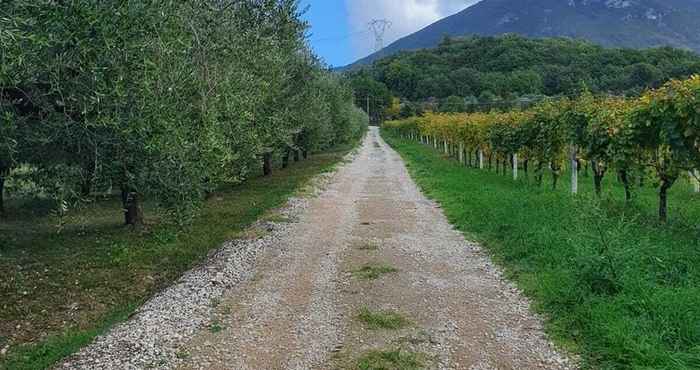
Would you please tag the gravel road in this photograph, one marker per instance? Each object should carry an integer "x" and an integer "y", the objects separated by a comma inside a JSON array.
[{"x": 287, "y": 297}]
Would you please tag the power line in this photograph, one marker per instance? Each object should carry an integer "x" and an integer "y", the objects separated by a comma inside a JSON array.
[{"x": 379, "y": 28}]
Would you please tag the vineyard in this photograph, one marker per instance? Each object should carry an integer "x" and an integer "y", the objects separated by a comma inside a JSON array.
[{"x": 652, "y": 139}]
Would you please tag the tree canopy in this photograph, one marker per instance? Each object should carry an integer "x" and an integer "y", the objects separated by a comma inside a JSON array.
[{"x": 161, "y": 99}]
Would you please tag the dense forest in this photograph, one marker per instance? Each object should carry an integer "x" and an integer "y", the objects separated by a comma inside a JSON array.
[
  {"x": 161, "y": 99},
  {"x": 473, "y": 70}
]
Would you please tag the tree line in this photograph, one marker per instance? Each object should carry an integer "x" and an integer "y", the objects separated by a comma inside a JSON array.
[
  {"x": 655, "y": 136},
  {"x": 162, "y": 99},
  {"x": 466, "y": 74}
]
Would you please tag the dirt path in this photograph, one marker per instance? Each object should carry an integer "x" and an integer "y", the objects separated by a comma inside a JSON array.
[
  {"x": 301, "y": 310},
  {"x": 298, "y": 306}
]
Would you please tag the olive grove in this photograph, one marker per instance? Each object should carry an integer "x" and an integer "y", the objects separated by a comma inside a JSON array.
[{"x": 161, "y": 99}]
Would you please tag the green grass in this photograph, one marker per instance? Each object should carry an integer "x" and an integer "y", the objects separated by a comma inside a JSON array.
[
  {"x": 616, "y": 285},
  {"x": 215, "y": 328},
  {"x": 391, "y": 360},
  {"x": 373, "y": 272},
  {"x": 59, "y": 290},
  {"x": 375, "y": 320}
]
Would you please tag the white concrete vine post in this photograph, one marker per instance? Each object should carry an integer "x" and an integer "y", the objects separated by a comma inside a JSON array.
[{"x": 574, "y": 172}]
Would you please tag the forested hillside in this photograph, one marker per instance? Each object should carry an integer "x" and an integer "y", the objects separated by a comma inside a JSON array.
[{"x": 489, "y": 69}]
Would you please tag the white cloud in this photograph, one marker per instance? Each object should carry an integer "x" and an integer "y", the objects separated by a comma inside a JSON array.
[{"x": 407, "y": 16}]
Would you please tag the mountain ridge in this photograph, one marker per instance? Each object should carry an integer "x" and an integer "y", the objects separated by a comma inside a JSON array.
[{"x": 610, "y": 23}]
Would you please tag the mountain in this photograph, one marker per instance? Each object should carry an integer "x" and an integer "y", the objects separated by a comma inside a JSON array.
[{"x": 612, "y": 23}]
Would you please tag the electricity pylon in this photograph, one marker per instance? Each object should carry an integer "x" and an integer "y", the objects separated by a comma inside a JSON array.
[{"x": 379, "y": 27}]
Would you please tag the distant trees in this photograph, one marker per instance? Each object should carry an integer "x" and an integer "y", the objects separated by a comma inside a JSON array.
[
  {"x": 453, "y": 104},
  {"x": 512, "y": 66},
  {"x": 371, "y": 95},
  {"x": 162, "y": 99}
]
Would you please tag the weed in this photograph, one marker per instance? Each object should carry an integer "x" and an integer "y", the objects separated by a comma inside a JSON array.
[
  {"x": 215, "y": 327},
  {"x": 372, "y": 272},
  {"x": 382, "y": 319}
]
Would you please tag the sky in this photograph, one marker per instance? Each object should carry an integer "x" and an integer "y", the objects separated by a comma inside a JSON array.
[{"x": 339, "y": 32}]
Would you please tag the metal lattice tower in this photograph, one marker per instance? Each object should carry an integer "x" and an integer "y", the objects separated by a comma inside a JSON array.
[{"x": 379, "y": 27}]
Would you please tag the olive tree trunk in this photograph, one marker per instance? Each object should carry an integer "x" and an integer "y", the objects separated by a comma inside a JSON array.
[
  {"x": 285, "y": 159},
  {"x": 2, "y": 195},
  {"x": 133, "y": 213},
  {"x": 88, "y": 173},
  {"x": 267, "y": 164}
]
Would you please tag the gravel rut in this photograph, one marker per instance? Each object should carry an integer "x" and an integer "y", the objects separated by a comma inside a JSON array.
[{"x": 296, "y": 303}]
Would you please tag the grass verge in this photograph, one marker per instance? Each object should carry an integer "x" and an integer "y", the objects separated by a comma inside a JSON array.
[
  {"x": 59, "y": 290},
  {"x": 382, "y": 319},
  {"x": 616, "y": 286},
  {"x": 373, "y": 272}
]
